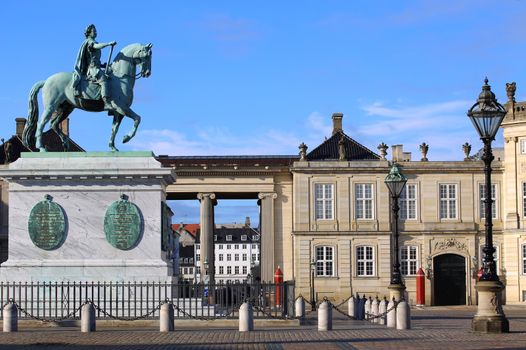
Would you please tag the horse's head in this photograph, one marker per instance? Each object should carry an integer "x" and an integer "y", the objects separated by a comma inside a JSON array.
[
  {"x": 143, "y": 56},
  {"x": 131, "y": 56}
]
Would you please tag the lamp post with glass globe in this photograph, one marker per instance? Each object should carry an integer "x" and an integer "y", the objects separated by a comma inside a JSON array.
[
  {"x": 487, "y": 115},
  {"x": 395, "y": 182}
]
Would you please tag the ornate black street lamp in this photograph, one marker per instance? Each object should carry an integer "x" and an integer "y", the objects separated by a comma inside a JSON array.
[
  {"x": 487, "y": 115},
  {"x": 395, "y": 182},
  {"x": 312, "y": 297}
]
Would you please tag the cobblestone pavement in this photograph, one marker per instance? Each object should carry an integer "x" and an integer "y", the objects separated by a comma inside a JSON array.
[{"x": 433, "y": 328}]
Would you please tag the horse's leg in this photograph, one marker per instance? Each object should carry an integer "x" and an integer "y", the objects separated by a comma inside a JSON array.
[
  {"x": 63, "y": 112},
  {"x": 44, "y": 119},
  {"x": 136, "y": 121},
  {"x": 117, "y": 119}
]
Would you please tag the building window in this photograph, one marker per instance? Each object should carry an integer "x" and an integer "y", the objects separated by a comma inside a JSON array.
[
  {"x": 365, "y": 261},
  {"x": 324, "y": 261},
  {"x": 229, "y": 270},
  {"x": 523, "y": 146},
  {"x": 253, "y": 246},
  {"x": 524, "y": 259},
  {"x": 364, "y": 201},
  {"x": 221, "y": 270},
  {"x": 228, "y": 246},
  {"x": 524, "y": 199},
  {"x": 191, "y": 260},
  {"x": 253, "y": 257},
  {"x": 220, "y": 246},
  {"x": 243, "y": 237},
  {"x": 448, "y": 201},
  {"x": 185, "y": 270},
  {"x": 244, "y": 246},
  {"x": 245, "y": 257},
  {"x": 257, "y": 257},
  {"x": 197, "y": 246},
  {"x": 255, "y": 238},
  {"x": 186, "y": 260},
  {"x": 236, "y": 257},
  {"x": 482, "y": 196},
  {"x": 323, "y": 201},
  {"x": 236, "y": 270},
  {"x": 408, "y": 202},
  {"x": 228, "y": 237},
  {"x": 220, "y": 257},
  {"x": 228, "y": 257},
  {"x": 236, "y": 246},
  {"x": 197, "y": 257},
  {"x": 245, "y": 270},
  {"x": 408, "y": 260},
  {"x": 215, "y": 238}
]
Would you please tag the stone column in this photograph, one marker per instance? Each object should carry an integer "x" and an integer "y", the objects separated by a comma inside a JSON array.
[
  {"x": 206, "y": 221},
  {"x": 266, "y": 223}
]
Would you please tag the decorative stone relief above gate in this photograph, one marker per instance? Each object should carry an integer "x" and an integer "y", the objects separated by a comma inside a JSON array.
[
  {"x": 450, "y": 243},
  {"x": 47, "y": 224},
  {"x": 123, "y": 224}
]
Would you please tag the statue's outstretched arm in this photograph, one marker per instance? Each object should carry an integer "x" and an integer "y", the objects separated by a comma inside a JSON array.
[{"x": 99, "y": 46}]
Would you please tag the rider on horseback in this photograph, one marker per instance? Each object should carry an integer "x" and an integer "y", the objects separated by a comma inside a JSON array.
[{"x": 88, "y": 65}]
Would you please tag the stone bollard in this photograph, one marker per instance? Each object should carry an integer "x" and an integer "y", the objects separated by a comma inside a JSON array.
[
  {"x": 325, "y": 316},
  {"x": 246, "y": 318},
  {"x": 300, "y": 309},
  {"x": 10, "y": 314},
  {"x": 403, "y": 315},
  {"x": 375, "y": 305},
  {"x": 87, "y": 319},
  {"x": 381, "y": 310},
  {"x": 166, "y": 319},
  {"x": 368, "y": 309},
  {"x": 361, "y": 308},
  {"x": 351, "y": 307},
  {"x": 391, "y": 315}
]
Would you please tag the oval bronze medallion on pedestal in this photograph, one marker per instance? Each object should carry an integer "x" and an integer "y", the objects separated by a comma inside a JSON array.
[
  {"x": 47, "y": 225},
  {"x": 122, "y": 224}
]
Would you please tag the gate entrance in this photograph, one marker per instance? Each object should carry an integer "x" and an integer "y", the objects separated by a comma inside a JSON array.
[{"x": 449, "y": 279}]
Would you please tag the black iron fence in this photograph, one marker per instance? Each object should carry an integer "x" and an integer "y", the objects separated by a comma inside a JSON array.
[{"x": 141, "y": 300}]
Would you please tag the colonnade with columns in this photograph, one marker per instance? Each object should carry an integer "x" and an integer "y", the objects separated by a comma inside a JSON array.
[{"x": 207, "y": 224}]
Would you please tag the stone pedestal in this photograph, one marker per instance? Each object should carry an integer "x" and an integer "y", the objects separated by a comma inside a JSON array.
[
  {"x": 87, "y": 217},
  {"x": 490, "y": 317},
  {"x": 396, "y": 291}
]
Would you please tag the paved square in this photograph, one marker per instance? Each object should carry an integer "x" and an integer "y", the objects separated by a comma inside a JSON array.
[{"x": 433, "y": 328}]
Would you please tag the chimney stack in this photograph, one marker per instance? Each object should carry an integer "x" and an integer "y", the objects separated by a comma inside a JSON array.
[
  {"x": 247, "y": 221},
  {"x": 20, "y": 125},
  {"x": 337, "y": 122}
]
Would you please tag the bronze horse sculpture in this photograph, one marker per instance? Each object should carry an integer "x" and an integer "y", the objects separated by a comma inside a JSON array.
[{"x": 59, "y": 99}]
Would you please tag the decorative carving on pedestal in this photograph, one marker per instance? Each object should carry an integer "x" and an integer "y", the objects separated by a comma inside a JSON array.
[
  {"x": 424, "y": 147},
  {"x": 47, "y": 224},
  {"x": 467, "y": 149},
  {"x": 450, "y": 243},
  {"x": 341, "y": 149},
  {"x": 123, "y": 224},
  {"x": 303, "y": 151},
  {"x": 510, "y": 91},
  {"x": 383, "y": 150}
]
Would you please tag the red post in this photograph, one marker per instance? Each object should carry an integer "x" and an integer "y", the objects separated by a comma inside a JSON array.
[
  {"x": 479, "y": 273},
  {"x": 420, "y": 287},
  {"x": 278, "y": 280}
]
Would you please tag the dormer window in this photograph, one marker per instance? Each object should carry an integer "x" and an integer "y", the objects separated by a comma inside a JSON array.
[
  {"x": 243, "y": 237},
  {"x": 255, "y": 238},
  {"x": 229, "y": 238}
]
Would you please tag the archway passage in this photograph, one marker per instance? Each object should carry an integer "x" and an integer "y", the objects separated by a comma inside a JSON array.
[{"x": 449, "y": 279}]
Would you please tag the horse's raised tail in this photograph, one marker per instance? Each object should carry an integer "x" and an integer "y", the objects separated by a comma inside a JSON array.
[{"x": 28, "y": 137}]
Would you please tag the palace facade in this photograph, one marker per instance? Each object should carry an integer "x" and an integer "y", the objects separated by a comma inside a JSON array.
[{"x": 325, "y": 215}]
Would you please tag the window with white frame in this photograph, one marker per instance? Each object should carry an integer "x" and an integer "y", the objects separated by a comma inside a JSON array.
[
  {"x": 524, "y": 199},
  {"x": 221, "y": 270},
  {"x": 253, "y": 257},
  {"x": 236, "y": 246},
  {"x": 229, "y": 270},
  {"x": 408, "y": 260},
  {"x": 197, "y": 257},
  {"x": 220, "y": 257},
  {"x": 243, "y": 237},
  {"x": 448, "y": 201},
  {"x": 228, "y": 237},
  {"x": 255, "y": 237},
  {"x": 245, "y": 257},
  {"x": 495, "y": 256},
  {"x": 524, "y": 259},
  {"x": 228, "y": 257},
  {"x": 236, "y": 257},
  {"x": 197, "y": 246},
  {"x": 323, "y": 201},
  {"x": 365, "y": 261},
  {"x": 324, "y": 261},
  {"x": 245, "y": 270},
  {"x": 407, "y": 202},
  {"x": 482, "y": 196},
  {"x": 253, "y": 246},
  {"x": 220, "y": 246},
  {"x": 236, "y": 270},
  {"x": 364, "y": 201}
]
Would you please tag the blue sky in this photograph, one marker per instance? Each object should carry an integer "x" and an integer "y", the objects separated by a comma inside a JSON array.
[{"x": 260, "y": 77}]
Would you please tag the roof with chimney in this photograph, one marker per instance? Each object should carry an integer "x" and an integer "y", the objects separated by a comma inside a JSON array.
[
  {"x": 11, "y": 148},
  {"x": 340, "y": 146}
]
